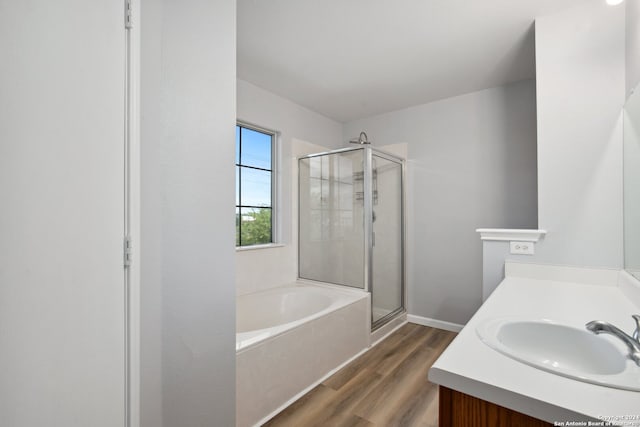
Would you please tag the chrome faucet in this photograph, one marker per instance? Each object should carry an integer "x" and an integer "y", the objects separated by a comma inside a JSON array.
[{"x": 632, "y": 342}]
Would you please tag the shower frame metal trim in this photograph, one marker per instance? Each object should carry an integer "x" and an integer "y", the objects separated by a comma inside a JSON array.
[
  {"x": 401, "y": 162},
  {"x": 368, "y": 152},
  {"x": 367, "y": 188}
]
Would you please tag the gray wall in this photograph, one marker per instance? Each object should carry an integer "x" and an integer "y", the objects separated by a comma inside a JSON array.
[
  {"x": 632, "y": 184},
  {"x": 580, "y": 69},
  {"x": 471, "y": 164},
  {"x": 151, "y": 132},
  {"x": 188, "y": 286},
  {"x": 581, "y": 84},
  {"x": 632, "y": 44}
]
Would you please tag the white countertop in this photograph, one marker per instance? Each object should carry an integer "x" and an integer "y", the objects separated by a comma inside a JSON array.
[{"x": 471, "y": 367}]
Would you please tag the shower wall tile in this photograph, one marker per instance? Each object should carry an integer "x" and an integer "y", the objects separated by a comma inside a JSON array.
[{"x": 262, "y": 269}]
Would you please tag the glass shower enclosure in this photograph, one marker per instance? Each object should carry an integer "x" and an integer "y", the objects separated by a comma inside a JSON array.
[{"x": 351, "y": 224}]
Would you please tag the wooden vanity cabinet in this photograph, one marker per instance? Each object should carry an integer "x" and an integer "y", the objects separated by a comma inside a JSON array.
[{"x": 461, "y": 410}]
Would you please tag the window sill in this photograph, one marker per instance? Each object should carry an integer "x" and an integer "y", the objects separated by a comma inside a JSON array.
[{"x": 254, "y": 247}]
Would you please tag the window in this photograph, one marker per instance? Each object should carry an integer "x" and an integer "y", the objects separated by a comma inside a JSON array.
[{"x": 254, "y": 185}]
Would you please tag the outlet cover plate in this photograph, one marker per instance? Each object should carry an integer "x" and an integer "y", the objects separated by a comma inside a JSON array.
[{"x": 522, "y": 248}]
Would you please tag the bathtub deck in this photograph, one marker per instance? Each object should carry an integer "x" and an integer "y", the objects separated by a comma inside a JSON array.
[{"x": 386, "y": 386}]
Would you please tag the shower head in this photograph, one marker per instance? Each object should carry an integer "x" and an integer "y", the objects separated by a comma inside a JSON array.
[{"x": 362, "y": 139}]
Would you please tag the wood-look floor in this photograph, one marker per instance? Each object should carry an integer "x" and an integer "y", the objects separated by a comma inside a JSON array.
[{"x": 386, "y": 386}]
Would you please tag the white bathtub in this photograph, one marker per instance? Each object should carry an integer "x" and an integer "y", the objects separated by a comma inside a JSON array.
[
  {"x": 265, "y": 314},
  {"x": 289, "y": 338}
]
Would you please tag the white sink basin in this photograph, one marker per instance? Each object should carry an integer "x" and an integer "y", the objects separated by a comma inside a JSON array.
[{"x": 563, "y": 350}]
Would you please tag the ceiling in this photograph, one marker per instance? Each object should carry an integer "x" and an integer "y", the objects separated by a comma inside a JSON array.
[{"x": 349, "y": 59}]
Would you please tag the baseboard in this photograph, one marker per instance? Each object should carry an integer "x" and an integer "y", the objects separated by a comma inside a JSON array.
[
  {"x": 385, "y": 330},
  {"x": 434, "y": 323}
]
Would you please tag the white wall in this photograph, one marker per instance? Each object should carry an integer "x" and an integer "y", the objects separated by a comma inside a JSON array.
[
  {"x": 580, "y": 67},
  {"x": 632, "y": 184},
  {"x": 188, "y": 282},
  {"x": 298, "y": 127},
  {"x": 632, "y": 45},
  {"x": 472, "y": 163}
]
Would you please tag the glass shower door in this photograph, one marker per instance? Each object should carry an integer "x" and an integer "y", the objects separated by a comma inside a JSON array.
[
  {"x": 387, "y": 240},
  {"x": 331, "y": 218}
]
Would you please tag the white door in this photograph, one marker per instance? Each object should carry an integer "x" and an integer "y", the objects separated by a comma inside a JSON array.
[{"x": 62, "y": 353}]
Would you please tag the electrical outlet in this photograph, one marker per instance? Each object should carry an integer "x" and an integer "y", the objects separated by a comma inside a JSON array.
[{"x": 522, "y": 248}]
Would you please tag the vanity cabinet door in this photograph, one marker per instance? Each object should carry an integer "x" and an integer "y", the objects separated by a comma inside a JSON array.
[{"x": 461, "y": 410}]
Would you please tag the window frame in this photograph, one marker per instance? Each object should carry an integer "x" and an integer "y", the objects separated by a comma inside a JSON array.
[{"x": 274, "y": 190}]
